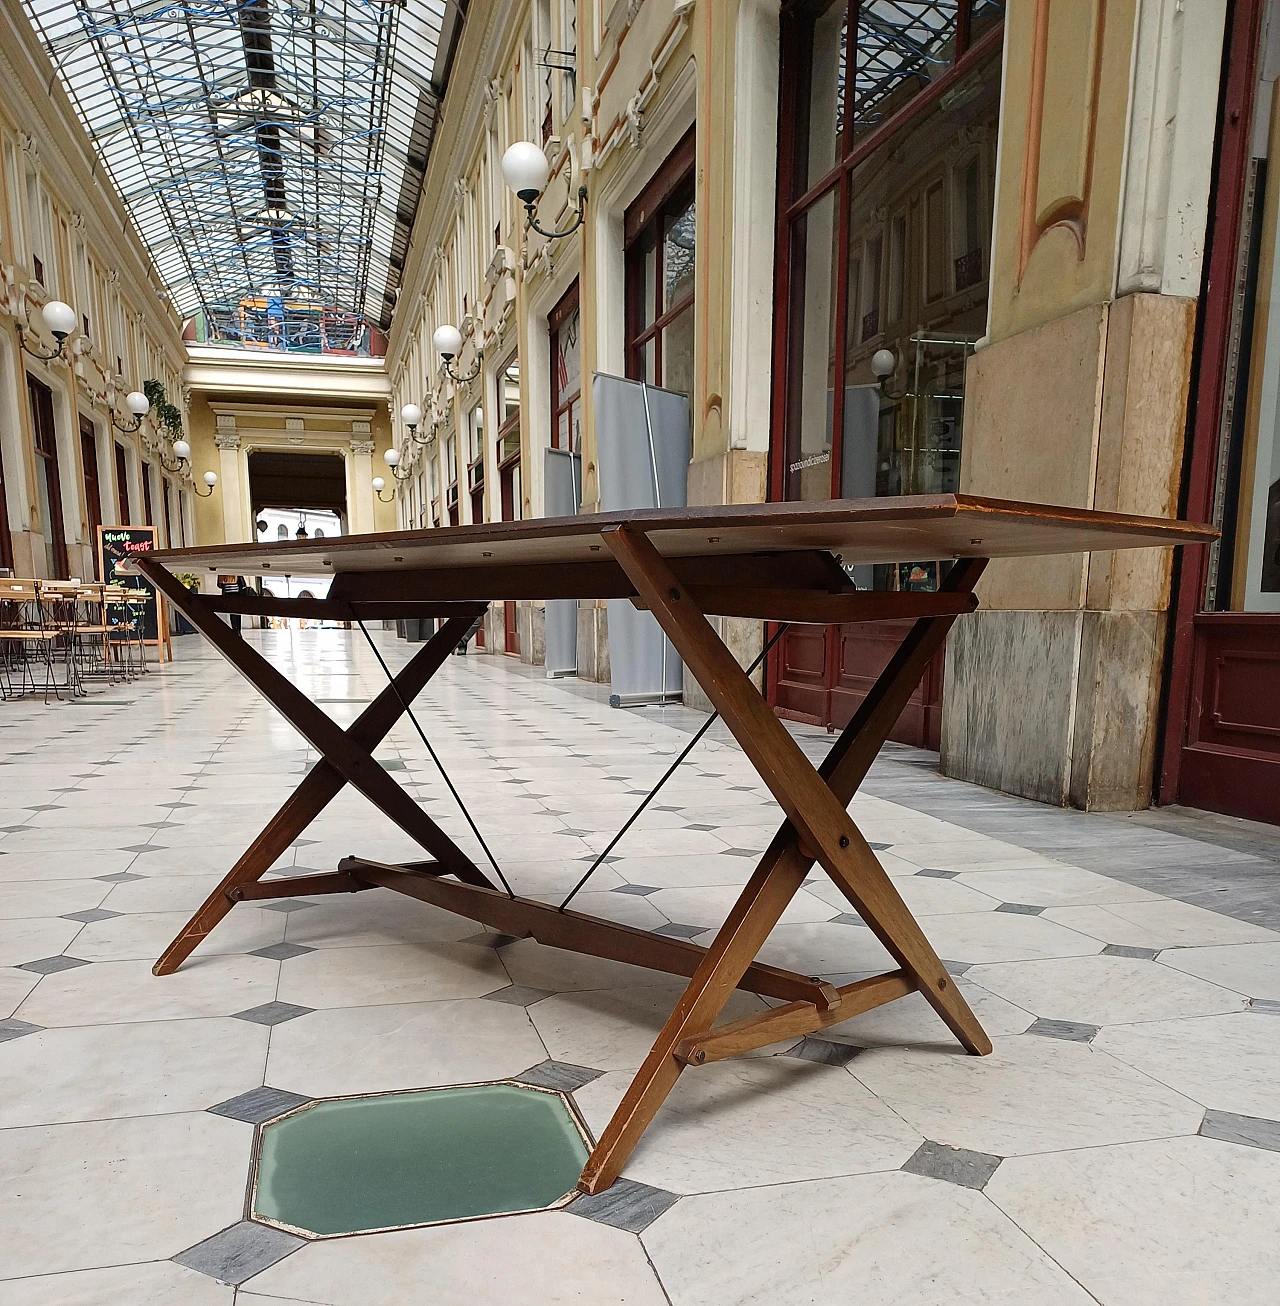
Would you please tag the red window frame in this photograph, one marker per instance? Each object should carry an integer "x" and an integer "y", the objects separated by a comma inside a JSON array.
[
  {"x": 793, "y": 203},
  {"x": 563, "y": 404},
  {"x": 670, "y": 192}
]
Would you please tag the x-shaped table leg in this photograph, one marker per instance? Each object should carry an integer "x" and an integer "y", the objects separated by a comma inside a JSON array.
[
  {"x": 347, "y": 758},
  {"x": 818, "y": 828}
]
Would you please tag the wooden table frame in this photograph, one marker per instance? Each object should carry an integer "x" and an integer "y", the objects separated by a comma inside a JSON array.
[{"x": 804, "y": 584}]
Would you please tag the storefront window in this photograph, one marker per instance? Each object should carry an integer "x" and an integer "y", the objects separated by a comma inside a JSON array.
[
  {"x": 509, "y": 440},
  {"x": 564, "y": 325},
  {"x": 48, "y": 482},
  {"x": 659, "y": 230},
  {"x": 1245, "y": 574},
  {"x": 887, "y": 255}
]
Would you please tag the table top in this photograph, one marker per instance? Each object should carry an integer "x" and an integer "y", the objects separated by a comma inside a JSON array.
[{"x": 906, "y": 529}]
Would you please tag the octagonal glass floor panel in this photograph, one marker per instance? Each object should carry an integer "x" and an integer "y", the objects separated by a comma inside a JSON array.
[{"x": 352, "y": 1165}]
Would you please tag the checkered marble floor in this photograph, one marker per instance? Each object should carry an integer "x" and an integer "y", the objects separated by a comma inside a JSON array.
[{"x": 1120, "y": 1146}]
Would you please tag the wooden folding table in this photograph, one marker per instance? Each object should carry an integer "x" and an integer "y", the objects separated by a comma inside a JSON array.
[{"x": 769, "y": 562}]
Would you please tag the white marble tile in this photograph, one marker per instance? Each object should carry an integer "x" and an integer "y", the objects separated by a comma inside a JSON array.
[
  {"x": 33, "y": 938},
  {"x": 118, "y": 992},
  {"x": 924, "y": 896},
  {"x": 549, "y": 1259},
  {"x": 1103, "y": 990},
  {"x": 58, "y": 865},
  {"x": 912, "y": 1022},
  {"x": 1054, "y": 886},
  {"x": 158, "y": 1283},
  {"x": 537, "y": 966},
  {"x": 710, "y": 906},
  {"x": 1031, "y": 1094},
  {"x": 825, "y": 949},
  {"x": 613, "y": 1029},
  {"x": 375, "y": 916},
  {"x": 1230, "y": 1063},
  {"x": 1160, "y": 923},
  {"x": 14, "y": 987},
  {"x": 763, "y": 1120},
  {"x": 144, "y": 936},
  {"x": 1249, "y": 968},
  {"x": 623, "y": 908},
  {"x": 20, "y": 899},
  {"x": 373, "y": 1049},
  {"x": 874, "y": 1240},
  {"x": 993, "y": 936},
  {"x": 345, "y": 977},
  {"x": 1176, "y": 1222},
  {"x": 108, "y": 1192},
  {"x": 636, "y": 867},
  {"x": 149, "y": 1068}
]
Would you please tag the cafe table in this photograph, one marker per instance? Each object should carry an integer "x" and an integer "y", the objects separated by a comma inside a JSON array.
[{"x": 774, "y": 563}]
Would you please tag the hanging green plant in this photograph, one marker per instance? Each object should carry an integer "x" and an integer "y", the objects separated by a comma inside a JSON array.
[{"x": 168, "y": 415}]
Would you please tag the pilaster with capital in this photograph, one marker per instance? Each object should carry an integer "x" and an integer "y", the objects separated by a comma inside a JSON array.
[{"x": 360, "y": 507}]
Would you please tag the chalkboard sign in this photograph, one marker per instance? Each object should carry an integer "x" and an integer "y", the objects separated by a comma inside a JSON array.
[{"x": 115, "y": 544}]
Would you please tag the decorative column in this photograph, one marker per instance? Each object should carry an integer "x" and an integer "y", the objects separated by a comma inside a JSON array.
[
  {"x": 360, "y": 509},
  {"x": 232, "y": 485}
]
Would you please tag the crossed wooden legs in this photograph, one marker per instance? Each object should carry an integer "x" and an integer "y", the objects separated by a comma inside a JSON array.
[
  {"x": 818, "y": 828},
  {"x": 347, "y": 760}
]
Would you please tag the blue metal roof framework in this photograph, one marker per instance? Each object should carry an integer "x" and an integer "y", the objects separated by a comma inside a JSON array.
[
  {"x": 263, "y": 148},
  {"x": 902, "y": 39}
]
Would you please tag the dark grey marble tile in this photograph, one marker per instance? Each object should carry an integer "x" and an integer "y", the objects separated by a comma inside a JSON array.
[
  {"x": 240, "y": 1252},
  {"x": 1073, "y": 1031},
  {"x": 1020, "y": 909},
  {"x": 824, "y": 1051},
  {"x": 258, "y": 1104},
  {"x": 1124, "y": 950},
  {"x": 675, "y": 930},
  {"x": 1251, "y": 1131},
  {"x": 52, "y": 965},
  {"x": 625, "y": 1204},
  {"x": 558, "y": 1075},
  {"x": 272, "y": 1013},
  {"x": 641, "y": 890},
  {"x": 286, "y": 905},
  {"x": 91, "y": 915},
  {"x": 953, "y": 1165},
  {"x": 518, "y": 995},
  {"x": 11, "y": 1028},
  {"x": 934, "y": 873},
  {"x": 847, "y": 918},
  {"x": 281, "y": 951}
]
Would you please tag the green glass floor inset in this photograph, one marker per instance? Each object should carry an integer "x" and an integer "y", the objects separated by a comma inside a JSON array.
[{"x": 356, "y": 1164}]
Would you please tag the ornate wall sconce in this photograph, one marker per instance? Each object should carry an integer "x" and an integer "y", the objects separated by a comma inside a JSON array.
[
  {"x": 525, "y": 169},
  {"x": 61, "y": 320}
]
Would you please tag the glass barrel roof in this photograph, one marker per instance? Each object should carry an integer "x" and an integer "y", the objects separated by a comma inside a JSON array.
[{"x": 270, "y": 152}]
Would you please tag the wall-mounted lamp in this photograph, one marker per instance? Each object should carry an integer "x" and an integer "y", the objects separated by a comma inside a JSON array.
[
  {"x": 525, "y": 169},
  {"x": 378, "y": 486},
  {"x": 411, "y": 416},
  {"x": 139, "y": 405},
  {"x": 61, "y": 320},
  {"x": 392, "y": 459},
  {"x": 182, "y": 456},
  {"x": 447, "y": 341},
  {"x": 884, "y": 362}
]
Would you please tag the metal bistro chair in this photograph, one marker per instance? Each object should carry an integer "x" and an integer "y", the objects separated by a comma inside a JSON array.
[
  {"x": 126, "y": 631},
  {"x": 26, "y": 641},
  {"x": 92, "y": 632},
  {"x": 60, "y": 600}
]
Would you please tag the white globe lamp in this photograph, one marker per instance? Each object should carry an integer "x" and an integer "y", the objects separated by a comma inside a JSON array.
[
  {"x": 447, "y": 341},
  {"x": 137, "y": 403},
  {"x": 60, "y": 318},
  {"x": 525, "y": 170}
]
